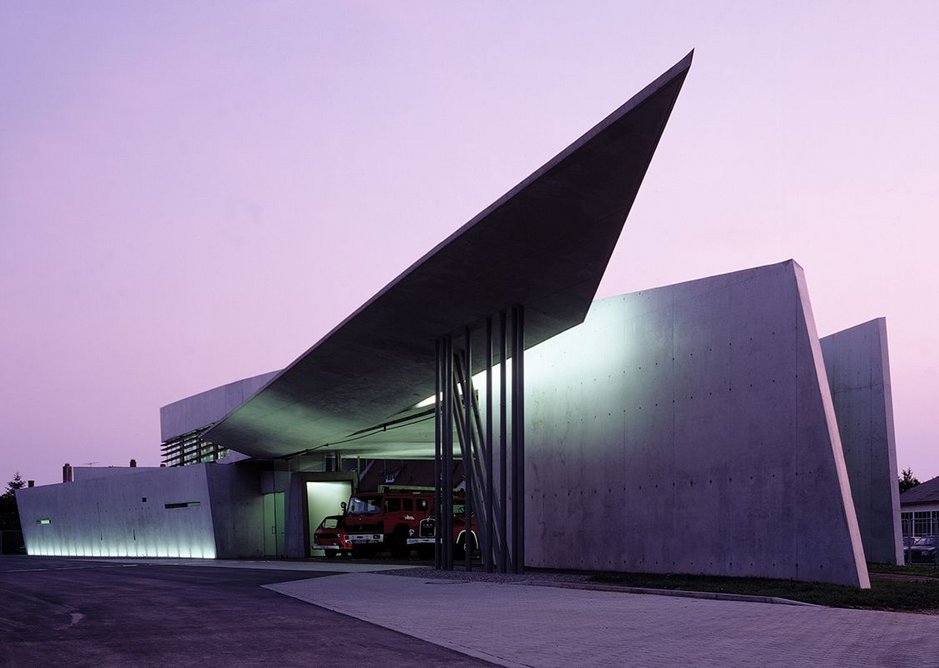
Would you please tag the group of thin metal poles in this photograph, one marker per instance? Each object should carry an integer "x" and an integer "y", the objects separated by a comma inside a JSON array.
[{"x": 499, "y": 533}]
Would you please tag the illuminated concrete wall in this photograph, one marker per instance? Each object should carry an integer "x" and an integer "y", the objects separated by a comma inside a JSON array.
[
  {"x": 202, "y": 511},
  {"x": 690, "y": 429},
  {"x": 858, "y": 370},
  {"x": 161, "y": 513}
]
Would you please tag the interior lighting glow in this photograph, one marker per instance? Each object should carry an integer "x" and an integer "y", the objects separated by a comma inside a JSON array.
[{"x": 479, "y": 382}]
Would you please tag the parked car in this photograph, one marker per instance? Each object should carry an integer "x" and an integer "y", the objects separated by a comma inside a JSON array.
[
  {"x": 330, "y": 536},
  {"x": 907, "y": 543},
  {"x": 923, "y": 549}
]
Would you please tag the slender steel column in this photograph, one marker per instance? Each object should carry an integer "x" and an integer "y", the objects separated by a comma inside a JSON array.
[
  {"x": 438, "y": 468},
  {"x": 446, "y": 527},
  {"x": 487, "y": 447},
  {"x": 518, "y": 437},
  {"x": 477, "y": 457},
  {"x": 468, "y": 464},
  {"x": 503, "y": 442}
]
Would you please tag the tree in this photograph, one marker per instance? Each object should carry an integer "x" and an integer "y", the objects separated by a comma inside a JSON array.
[
  {"x": 9, "y": 514},
  {"x": 907, "y": 480},
  {"x": 15, "y": 484}
]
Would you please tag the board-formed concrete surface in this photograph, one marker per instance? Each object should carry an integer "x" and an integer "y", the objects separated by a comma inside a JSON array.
[
  {"x": 518, "y": 625},
  {"x": 858, "y": 368},
  {"x": 690, "y": 429}
]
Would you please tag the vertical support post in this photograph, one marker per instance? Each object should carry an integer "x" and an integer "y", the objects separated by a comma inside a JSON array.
[
  {"x": 438, "y": 451},
  {"x": 445, "y": 529},
  {"x": 468, "y": 464},
  {"x": 518, "y": 437},
  {"x": 503, "y": 441},
  {"x": 488, "y": 553}
]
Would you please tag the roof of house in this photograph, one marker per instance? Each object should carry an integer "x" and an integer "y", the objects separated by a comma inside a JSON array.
[{"x": 927, "y": 492}]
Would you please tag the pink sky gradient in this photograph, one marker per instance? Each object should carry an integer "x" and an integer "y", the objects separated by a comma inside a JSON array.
[{"x": 195, "y": 192}]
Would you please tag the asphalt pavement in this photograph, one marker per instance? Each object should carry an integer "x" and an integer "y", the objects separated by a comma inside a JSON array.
[
  {"x": 76, "y": 612},
  {"x": 215, "y": 613}
]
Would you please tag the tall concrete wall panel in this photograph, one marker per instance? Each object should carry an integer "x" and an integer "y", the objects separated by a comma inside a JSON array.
[
  {"x": 205, "y": 408},
  {"x": 858, "y": 371},
  {"x": 690, "y": 429},
  {"x": 151, "y": 513},
  {"x": 237, "y": 510}
]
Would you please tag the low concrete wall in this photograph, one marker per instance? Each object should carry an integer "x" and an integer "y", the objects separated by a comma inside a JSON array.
[
  {"x": 858, "y": 371},
  {"x": 690, "y": 429},
  {"x": 121, "y": 516}
]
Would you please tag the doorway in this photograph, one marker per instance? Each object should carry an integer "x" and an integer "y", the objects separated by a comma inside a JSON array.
[
  {"x": 322, "y": 499},
  {"x": 274, "y": 525}
]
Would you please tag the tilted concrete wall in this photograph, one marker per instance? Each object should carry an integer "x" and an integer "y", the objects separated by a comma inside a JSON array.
[
  {"x": 121, "y": 516},
  {"x": 858, "y": 370},
  {"x": 690, "y": 429},
  {"x": 205, "y": 408},
  {"x": 237, "y": 509}
]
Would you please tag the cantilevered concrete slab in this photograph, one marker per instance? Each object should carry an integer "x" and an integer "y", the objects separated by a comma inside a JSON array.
[
  {"x": 859, "y": 376},
  {"x": 544, "y": 245}
]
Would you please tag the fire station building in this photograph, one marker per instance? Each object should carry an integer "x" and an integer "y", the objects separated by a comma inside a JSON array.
[{"x": 703, "y": 427}]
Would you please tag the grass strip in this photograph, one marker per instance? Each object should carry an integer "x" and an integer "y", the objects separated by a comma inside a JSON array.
[{"x": 894, "y": 595}]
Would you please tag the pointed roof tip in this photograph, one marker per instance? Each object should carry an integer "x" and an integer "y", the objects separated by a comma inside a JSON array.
[{"x": 684, "y": 63}]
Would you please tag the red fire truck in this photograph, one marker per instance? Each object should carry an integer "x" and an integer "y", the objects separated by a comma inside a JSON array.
[
  {"x": 427, "y": 531},
  {"x": 398, "y": 522},
  {"x": 380, "y": 521}
]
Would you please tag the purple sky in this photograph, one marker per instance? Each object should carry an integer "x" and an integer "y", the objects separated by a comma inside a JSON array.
[{"x": 195, "y": 192}]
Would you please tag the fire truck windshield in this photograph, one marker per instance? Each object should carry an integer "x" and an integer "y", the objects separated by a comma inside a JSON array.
[{"x": 359, "y": 506}]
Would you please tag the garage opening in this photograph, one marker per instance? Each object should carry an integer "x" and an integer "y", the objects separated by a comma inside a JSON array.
[{"x": 323, "y": 499}]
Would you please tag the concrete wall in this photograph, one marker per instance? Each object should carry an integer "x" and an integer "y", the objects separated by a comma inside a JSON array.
[
  {"x": 199, "y": 410},
  {"x": 92, "y": 472},
  {"x": 237, "y": 510},
  {"x": 690, "y": 429},
  {"x": 121, "y": 516},
  {"x": 858, "y": 371}
]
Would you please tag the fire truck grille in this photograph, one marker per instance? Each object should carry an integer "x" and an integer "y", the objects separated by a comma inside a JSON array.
[{"x": 427, "y": 528}]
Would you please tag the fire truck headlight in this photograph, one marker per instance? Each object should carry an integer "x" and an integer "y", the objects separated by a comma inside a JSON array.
[{"x": 411, "y": 531}]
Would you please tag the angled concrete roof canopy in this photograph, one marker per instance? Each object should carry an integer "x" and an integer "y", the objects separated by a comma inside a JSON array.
[{"x": 545, "y": 245}]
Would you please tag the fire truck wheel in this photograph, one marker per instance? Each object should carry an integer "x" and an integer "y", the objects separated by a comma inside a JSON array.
[
  {"x": 458, "y": 551},
  {"x": 363, "y": 552},
  {"x": 330, "y": 554},
  {"x": 399, "y": 544}
]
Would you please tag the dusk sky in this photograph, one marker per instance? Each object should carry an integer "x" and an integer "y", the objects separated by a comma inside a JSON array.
[{"x": 195, "y": 192}]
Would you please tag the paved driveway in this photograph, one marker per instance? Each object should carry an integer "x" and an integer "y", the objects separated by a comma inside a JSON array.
[{"x": 524, "y": 625}]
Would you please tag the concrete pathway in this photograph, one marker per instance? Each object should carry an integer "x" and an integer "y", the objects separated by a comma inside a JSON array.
[{"x": 523, "y": 625}]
